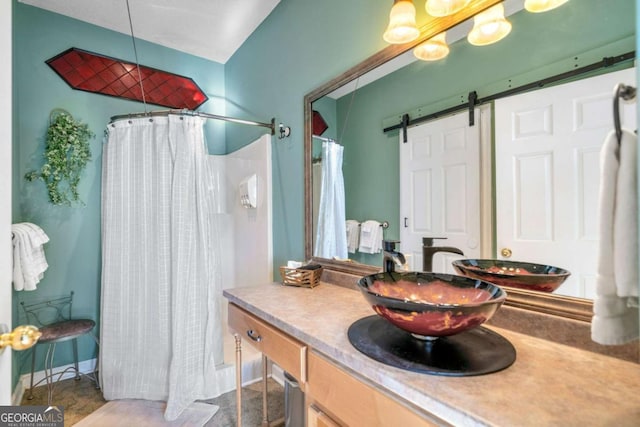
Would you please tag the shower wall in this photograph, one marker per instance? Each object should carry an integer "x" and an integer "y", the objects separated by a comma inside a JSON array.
[{"x": 245, "y": 236}]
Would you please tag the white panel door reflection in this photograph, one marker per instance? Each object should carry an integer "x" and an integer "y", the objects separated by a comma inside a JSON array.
[
  {"x": 440, "y": 190},
  {"x": 547, "y": 174}
]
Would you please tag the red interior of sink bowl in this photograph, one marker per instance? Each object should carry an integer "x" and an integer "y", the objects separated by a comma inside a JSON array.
[
  {"x": 431, "y": 305},
  {"x": 433, "y": 292},
  {"x": 523, "y": 275}
]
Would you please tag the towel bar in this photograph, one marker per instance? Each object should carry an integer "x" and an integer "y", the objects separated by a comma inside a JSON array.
[{"x": 627, "y": 93}]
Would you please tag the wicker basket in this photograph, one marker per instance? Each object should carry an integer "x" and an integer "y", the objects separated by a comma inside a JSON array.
[{"x": 303, "y": 278}]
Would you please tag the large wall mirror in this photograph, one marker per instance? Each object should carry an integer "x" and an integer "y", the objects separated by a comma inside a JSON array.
[{"x": 364, "y": 107}]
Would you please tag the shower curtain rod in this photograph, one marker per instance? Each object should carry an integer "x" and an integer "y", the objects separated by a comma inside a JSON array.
[
  {"x": 322, "y": 138},
  {"x": 157, "y": 113}
]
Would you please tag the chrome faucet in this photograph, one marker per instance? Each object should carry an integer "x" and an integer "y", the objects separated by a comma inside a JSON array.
[
  {"x": 391, "y": 257},
  {"x": 428, "y": 251}
]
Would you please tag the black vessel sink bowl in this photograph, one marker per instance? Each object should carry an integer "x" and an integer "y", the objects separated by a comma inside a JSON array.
[{"x": 431, "y": 305}]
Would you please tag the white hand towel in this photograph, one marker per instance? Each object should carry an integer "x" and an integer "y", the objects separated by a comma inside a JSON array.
[
  {"x": 353, "y": 235},
  {"x": 615, "y": 319},
  {"x": 370, "y": 237},
  {"x": 29, "y": 262},
  {"x": 377, "y": 243}
]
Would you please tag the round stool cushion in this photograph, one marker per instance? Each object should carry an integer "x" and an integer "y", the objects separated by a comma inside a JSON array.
[{"x": 66, "y": 330}]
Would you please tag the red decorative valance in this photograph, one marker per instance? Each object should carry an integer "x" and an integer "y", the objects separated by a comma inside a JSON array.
[
  {"x": 319, "y": 125},
  {"x": 91, "y": 72}
]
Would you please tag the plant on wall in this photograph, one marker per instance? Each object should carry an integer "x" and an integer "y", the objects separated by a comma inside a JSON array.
[{"x": 67, "y": 153}]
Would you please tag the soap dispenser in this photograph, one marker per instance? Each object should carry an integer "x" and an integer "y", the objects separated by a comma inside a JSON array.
[{"x": 249, "y": 192}]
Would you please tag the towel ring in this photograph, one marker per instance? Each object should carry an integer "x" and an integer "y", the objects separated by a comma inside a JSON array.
[{"x": 627, "y": 93}]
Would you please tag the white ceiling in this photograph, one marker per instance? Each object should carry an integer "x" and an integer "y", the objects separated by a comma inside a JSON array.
[{"x": 212, "y": 29}]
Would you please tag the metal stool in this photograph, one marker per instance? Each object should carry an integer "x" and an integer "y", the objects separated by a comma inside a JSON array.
[{"x": 53, "y": 317}]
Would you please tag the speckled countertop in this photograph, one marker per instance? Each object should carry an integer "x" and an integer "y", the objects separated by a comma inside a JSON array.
[{"x": 548, "y": 385}]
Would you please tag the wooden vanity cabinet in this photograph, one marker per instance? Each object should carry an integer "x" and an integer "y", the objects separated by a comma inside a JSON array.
[
  {"x": 284, "y": 351},
  {"x": 335, "y": 397},
  {"x": 317, "y": 418}
]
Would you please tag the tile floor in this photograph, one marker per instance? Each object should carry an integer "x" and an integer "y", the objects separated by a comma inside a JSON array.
[{"x": 80, "y": 398}]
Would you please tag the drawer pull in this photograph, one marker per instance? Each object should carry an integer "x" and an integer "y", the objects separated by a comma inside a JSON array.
[{"x": 256, "y": 337}]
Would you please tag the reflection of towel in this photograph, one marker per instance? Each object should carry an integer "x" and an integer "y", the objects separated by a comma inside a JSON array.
[
  {"x": 370, "y": 237},
  {"x": 29, "y": 262},
  {"x": 615, "y": 307},
  {"x": 353, "y": 235}
]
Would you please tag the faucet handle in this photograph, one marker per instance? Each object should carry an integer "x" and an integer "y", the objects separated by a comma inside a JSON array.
[
  {"x": 428, "y": 241},
  {"x": 389, "y": 245}
]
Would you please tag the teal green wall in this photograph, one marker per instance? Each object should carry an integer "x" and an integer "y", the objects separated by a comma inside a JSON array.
[
  {"x": 73, "y": 252},
  {"x": 529, "y": 53},
  {"x": 300, "y": 46}
]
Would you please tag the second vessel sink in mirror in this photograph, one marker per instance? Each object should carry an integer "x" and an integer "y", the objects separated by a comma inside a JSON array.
[
  {"x": 431, "y": 305},
  {"x": 516, "y": 274}
]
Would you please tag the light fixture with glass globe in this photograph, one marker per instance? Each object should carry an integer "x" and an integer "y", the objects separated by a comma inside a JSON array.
[
  {"x": 433, "y": 49},
  {"x": 537, "y": 6},
  {"x": 445, "y": 7},
  {"x": 402, "y": 23},
  {"x": 489, "y": 26}
]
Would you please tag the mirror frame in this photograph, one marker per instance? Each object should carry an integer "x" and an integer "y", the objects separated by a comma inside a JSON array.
[{"x": 558, "y": 305}]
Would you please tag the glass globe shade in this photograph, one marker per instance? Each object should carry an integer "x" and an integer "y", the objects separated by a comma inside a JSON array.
[
  {"x": 489, "y": 26},
  {"x": 537, "y": 6},
  {"x": 433, "y": 49},
  {"x": 445, "y": 7},
  {"x": 402, "y": 23}
]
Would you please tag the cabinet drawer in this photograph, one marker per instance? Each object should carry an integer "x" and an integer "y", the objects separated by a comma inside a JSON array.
[
  {"x": 351, "y": 402},
  {"x": 283, "y": 350},
  {"x": 317, "y": 418}
]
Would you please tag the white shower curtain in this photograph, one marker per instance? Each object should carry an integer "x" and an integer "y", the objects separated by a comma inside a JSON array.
[
  {"x": 331, "y": 233},
  {"x": 161, "y": 332}
]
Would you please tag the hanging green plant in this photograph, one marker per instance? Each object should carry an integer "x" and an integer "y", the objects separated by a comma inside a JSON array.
[{"x": 67, "y": 153}]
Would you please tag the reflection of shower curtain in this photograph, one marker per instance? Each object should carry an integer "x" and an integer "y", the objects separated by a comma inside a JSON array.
[
  {"x": 331, "y": 235},
  {"x": 160, "y": 322},
  {"x": 316, "y": 179}
]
